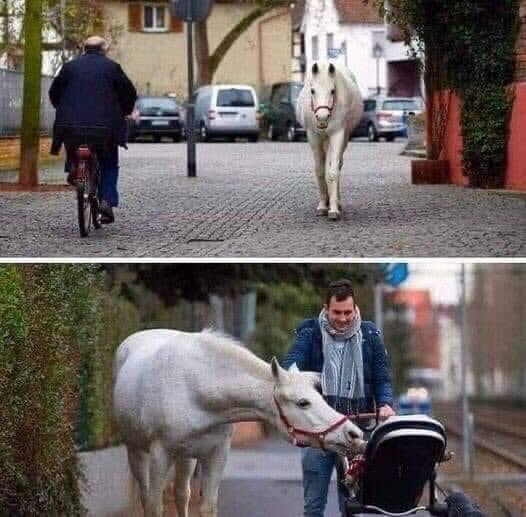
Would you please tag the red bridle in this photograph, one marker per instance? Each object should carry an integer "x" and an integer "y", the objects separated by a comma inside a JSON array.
[
  {"x": 314, "y": 110},
  {"x": 293, "y": 431}
]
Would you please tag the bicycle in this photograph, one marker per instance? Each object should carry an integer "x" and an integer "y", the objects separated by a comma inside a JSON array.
[{"x": 86, "y": 170}]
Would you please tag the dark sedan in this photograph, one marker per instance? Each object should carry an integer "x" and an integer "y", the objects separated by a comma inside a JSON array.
[{"x": 156, "y": 117}]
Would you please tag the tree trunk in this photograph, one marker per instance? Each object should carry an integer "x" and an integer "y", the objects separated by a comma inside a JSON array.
[
  {"x": 30, "y": 134},
  {"x": 207, "y": 64},
  {"x": 202, "y": 52}
]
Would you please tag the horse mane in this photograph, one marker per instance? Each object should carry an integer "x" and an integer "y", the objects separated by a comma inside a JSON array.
[{"x": 233, "y": 349}]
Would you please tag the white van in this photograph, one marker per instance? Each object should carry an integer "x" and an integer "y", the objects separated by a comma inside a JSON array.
[{"x": 226, "y": 110}]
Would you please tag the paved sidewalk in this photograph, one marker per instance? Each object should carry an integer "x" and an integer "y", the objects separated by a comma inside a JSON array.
[{"x": 259, "y": 200}]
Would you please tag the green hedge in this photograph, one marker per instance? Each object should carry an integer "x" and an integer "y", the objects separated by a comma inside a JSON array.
[
  {"x": 59, "y": 327},
  {"x": 48, "y": 317}
]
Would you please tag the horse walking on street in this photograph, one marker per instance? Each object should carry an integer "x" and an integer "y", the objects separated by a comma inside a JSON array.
[
  {"x": 176, "y": 395},
  {"x": 329, "y": 107}
]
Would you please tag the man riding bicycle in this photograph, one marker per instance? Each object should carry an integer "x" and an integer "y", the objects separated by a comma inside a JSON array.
[{"x": 93, "y": 90}]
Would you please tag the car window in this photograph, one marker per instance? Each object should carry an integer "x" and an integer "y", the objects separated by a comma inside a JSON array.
[
  {"x": 276, "y": 94},
  {"x": 236, "y": 98},
  {"x": 369, "y": 105},
  {"x": 166, "y": 105},
  {"x": 400, "y": 105},
  {"x": 295, "y": 90}
]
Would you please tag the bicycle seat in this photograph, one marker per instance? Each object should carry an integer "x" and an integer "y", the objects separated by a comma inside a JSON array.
[{"x": 85, "y": 135}]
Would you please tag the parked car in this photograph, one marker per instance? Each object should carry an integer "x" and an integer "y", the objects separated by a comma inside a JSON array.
[
  {"x": 281, "y": 115},
  {"x": 157, "y": 117},
  {"x": 226, "y": 111},
  {"x": 415, "y": 401},
  {"x": 387, "y": 117}
]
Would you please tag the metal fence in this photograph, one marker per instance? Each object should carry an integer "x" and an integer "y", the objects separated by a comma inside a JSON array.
[{"x": 11, "y": 91}]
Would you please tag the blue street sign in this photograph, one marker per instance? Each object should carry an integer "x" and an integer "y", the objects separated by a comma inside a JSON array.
[
  {"x": 394, "y": 273},
  {"x": 191, "y": 10}
]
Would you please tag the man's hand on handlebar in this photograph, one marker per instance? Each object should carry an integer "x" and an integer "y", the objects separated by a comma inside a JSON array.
[{"x": 385, "y": 412}]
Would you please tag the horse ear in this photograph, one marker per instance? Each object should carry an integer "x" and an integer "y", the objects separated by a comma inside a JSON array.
[
  {"x": 293, "y": 368},
  {"x": 277, "y": 370},
  {"x": 331, "y": 69},
  {"x": 314, "y": 378},
  {"x": 315, "y": 68}
]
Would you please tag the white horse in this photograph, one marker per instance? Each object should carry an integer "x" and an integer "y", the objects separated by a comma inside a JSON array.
[
  {"x": 176, "y": 395},
  {"x": 329, "y": 107}
]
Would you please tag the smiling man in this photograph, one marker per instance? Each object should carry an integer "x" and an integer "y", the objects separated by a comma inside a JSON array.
[{"x": 355, "y": 376}]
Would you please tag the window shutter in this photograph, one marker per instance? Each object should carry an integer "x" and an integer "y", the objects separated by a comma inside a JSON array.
[
  {"x": 176, "y": 25},
  {"x": 135, "y": 17}
]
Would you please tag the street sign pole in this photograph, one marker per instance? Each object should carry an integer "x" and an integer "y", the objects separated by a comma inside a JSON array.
[
  {"x": 379, "y": 306},
  {"x": 190, "y": 129},
  {"x": 190, "y": 11}
]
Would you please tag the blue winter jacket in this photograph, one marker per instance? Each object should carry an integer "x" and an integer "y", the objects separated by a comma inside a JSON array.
[{"x": 307, "y": 353}]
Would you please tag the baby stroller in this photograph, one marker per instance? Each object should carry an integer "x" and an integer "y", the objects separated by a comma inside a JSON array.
[{"x": 401, "y": 456}]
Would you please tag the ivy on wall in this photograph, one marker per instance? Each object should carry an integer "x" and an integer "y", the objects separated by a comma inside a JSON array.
[{"x": 469, "y": 48}]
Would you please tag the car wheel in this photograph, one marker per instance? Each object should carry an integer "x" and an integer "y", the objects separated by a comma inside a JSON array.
[
  {"x": 203, "y": 133},
  {"x": 271, "y": 133},
  {"x": 291, "y": 133},
  {"x": 372, "y": 135},
  {"x": 390, "y": 138},
  {"x": 157, "y": 138},
  {"x": 176, "y": 138},
  {"x": 253, "y": 138}
]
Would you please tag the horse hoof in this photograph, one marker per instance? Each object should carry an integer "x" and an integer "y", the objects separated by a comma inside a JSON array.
[
  {"x": 322, "y": 211},
  {"x": 335, "y": 216}
]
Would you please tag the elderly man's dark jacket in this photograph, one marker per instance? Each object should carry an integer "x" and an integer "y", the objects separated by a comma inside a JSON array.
[
  {"x": 92, "y": 90},
  {"x": 307, "y": 353}
]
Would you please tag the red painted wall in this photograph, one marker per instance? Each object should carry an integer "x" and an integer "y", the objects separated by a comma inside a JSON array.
[
  {"x": 516, "y": 170},
  {"x": 515, "y": 177}
]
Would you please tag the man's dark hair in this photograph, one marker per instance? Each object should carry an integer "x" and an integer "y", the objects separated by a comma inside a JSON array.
[{"x": 340, "y": 289}]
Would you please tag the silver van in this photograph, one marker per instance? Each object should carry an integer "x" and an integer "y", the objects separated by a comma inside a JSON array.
[{"x": 226, "y": 111}]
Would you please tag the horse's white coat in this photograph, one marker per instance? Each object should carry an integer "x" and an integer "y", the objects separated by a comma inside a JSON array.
[
  {"x": 176, "y": 395},
  {"x": 328, "y": 131}
]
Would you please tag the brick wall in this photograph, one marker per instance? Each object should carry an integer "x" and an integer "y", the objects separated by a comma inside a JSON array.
[{"x": 520, "y": 71}]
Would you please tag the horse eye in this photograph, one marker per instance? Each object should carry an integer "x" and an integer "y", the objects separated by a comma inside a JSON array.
[
  {"x": 312, "y": 91},
  {"x": 303, "y": 403}
]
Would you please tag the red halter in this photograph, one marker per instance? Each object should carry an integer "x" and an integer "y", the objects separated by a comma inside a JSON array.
[
  {"x": 293, "y": 431},
  {"x": 314, "y": 110}
]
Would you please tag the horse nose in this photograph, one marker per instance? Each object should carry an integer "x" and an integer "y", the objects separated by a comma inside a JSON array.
[
  {"x": 353, "y": 433},
  {"x": 322, "y": 115}
]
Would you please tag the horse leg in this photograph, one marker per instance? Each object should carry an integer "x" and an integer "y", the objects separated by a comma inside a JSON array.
[
  {"x": 139, "y": 466},
  {"x": 184, "y": 468},
  {"x": 332, "y": 172},
  {"x": 159, "y": 465},
  {"x": 212, "y": 471},
  {"x": 318, "y": 150}
]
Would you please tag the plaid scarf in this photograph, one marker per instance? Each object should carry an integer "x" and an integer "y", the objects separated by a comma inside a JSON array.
[{"x": 342, "y": 374}]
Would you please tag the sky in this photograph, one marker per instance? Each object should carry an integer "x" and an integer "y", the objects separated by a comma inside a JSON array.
[{"x": 441, "y": 278}]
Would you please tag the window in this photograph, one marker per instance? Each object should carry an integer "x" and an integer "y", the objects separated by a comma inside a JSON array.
[
  {"x": 378, "y": 41},
  {"x": 369, "y": 105},
  {"x": 330, "y": 46},
  {"x": 315, "y": 50},
  {"x": 155, "y": 18},
  {"x": 235, "y": 98}
]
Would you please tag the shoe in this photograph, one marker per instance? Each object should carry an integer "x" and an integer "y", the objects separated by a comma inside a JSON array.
[
  {"x": 72, "y": 179},
  {"x": 106, "y": 212}
]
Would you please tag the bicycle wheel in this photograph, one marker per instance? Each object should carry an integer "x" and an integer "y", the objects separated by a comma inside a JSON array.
[
  {"x": 94, "y": 197},
  {"x": 83, "y": 200}
]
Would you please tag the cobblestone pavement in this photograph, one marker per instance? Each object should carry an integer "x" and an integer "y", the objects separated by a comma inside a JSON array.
[{"x": 259, "y": 200}]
